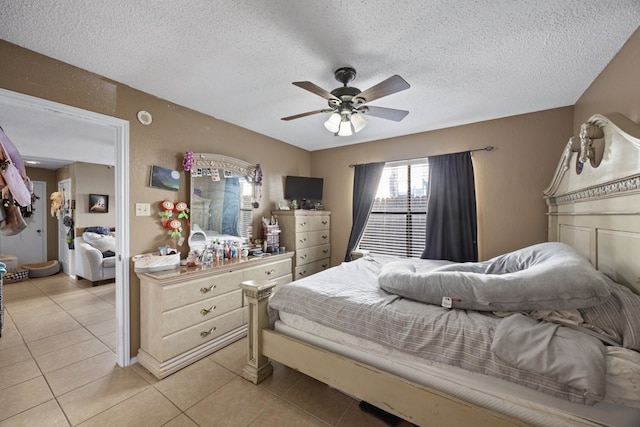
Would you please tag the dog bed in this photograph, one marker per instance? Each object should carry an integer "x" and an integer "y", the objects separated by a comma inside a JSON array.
[
  {"x": 42, "y": 269},
  {"x": 16, "y": 275}
]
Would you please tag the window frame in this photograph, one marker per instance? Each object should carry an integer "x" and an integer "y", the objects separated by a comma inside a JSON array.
[{"x": 411, "y": 244}]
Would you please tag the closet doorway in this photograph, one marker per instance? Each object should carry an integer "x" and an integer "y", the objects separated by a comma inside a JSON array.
[{"x": 24, "y": 112}]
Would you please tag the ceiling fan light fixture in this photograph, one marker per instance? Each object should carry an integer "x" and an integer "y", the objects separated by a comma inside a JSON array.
[
  {"x": 333, "y": 123},
  {"x": 345, "y": 128},
  {"x": 358, "y": 122}
]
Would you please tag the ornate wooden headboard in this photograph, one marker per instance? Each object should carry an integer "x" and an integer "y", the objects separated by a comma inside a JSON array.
[{"x": 594, "y": 197}]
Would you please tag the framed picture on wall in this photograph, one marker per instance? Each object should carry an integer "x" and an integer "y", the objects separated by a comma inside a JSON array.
[
  {"x": 164, "y": 178},
  {"x": 98, "y": 203}
]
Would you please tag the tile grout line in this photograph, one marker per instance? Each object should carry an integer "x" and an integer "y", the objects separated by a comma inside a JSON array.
[
  {"x": 44, "y": 378},
  {"x": 33, "y": 357}
]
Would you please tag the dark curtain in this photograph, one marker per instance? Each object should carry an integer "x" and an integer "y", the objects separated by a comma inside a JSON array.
[
  {"x": 365, "y": 185},
  {"x": 451, "y": 214}
]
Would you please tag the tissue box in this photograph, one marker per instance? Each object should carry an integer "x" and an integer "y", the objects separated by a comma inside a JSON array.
[{"x": 148, "y": 263}]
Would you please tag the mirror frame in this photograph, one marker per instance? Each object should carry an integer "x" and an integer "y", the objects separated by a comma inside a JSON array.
[
  {"x": 218, "y": 161},
  {"x": 222, "y": 163}
]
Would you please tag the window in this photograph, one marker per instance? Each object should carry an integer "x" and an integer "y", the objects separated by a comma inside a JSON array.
[{"x": 398, "y": 217}]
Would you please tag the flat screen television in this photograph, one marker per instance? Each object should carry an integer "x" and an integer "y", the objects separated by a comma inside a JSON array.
[{"x": 303, "y": 188}]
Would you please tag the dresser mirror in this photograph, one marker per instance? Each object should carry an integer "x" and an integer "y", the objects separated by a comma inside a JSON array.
[{"x": 222, "y": 199}]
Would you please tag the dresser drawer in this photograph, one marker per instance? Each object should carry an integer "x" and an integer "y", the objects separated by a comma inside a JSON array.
[
  {"x": 308, "y": 255},
  {"x": 192, "y": 314},
  {"x": 196, "y": 290},
  {"x": 196, "y": 335},
  {"x": 312, "y": 223},
  {"x": 311, "y": 238},
  {"x": 268, "y": 271},
  {"x": 311, "y": 268}
]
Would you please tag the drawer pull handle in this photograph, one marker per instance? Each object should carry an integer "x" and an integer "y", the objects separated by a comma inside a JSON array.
[
  {"x": 205, "y": 290},
  {"x": 303, "y": 256},
  {"x": 303, "y": 240},
  {"x": 325, "y": 265},
  {"x": 206, "y": 311},
  {"x": 269, "y": 272},
  {"x": 325, "y": 251},
  {"x": 302, "y": 273},
  {"x": 325, "y": 237},
  {"x": 325, "y": 222},
  {"x": 205, "y": 333},
  {"x": 302, "y": 224}
]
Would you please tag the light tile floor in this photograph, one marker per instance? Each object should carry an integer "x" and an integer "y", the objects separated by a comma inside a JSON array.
[{"x": 57, "y": 368}]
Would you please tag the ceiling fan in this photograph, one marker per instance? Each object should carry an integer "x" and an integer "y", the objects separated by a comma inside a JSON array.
[{"x": 347, "y": 104}]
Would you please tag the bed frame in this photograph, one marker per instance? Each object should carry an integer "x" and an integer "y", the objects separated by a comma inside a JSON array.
[{"x": 593, "y": 205}]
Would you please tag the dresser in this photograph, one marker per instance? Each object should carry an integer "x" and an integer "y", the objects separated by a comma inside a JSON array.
[
  {"x": 308, "y": 233},
  {"x": 189, "y": 313}
]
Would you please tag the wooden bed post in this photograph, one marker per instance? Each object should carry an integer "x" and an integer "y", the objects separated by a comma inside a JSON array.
[{"x": 257, "y": 292}]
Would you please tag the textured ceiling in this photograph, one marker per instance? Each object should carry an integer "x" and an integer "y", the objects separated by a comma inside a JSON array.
[{"x": 466, "y": 61}]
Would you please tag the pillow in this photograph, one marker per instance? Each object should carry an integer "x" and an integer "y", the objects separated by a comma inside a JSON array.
[
  {"x": 97, "y": 229},
  {"x": 102, "y": 242},
  {"x": 547, "y": 276},
  {"x": 617, "y": 318}
]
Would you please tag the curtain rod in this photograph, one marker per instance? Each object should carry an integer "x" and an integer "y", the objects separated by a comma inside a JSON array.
[{"x": 487, "y": 148}]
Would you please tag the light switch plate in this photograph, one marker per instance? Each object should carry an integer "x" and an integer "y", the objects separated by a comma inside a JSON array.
[{"x": 143, "y": 209}]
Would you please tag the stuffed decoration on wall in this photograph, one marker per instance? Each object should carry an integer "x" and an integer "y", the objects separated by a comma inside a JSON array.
[
  {"x": 166, "y": 211},
  {"x": 176, "y": 227},
  {"x": 57, "y": 200},
  {"x": 182, "y": 209},
  {"x": 187, "y": 161},
  {"x": 174, "y": 224}
]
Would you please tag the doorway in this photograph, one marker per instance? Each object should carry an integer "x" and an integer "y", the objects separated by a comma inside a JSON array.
[
  {"x": 119, "y": 131},
  {"x": 29, "y": 246}
]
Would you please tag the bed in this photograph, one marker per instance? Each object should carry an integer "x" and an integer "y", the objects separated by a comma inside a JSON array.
[{"x": 509, "y": 363}]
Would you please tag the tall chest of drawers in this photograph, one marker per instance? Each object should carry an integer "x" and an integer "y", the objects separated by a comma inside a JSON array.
[
  {"x": 308, "y": 233},
  {"x": 190, "y": 313}
]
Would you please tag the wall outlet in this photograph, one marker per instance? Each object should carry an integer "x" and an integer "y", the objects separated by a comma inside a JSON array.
[{"x": 143, "y": 209}]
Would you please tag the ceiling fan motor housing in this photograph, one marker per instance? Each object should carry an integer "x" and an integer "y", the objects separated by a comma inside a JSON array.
[
  {"x": 345, "y": 74},
  {"x": 346, "y": 95}
]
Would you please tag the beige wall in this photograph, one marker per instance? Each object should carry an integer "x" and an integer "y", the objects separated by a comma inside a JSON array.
[
  {"x": 510, "y": 179},
  {"x": 617, "y": 88},
  {"x": 175, "y": 129},
  {"x": 88, "y": 179}
]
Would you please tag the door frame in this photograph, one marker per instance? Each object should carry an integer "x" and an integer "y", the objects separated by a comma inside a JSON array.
[
  {"x": 121, "y": 153},
  {"x": 26, "y": 253},
  {"x": 63, "y": 246}
]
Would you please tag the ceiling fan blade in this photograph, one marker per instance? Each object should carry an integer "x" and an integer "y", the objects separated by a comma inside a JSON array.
[
  {"x": 297, "y": 116},
  {"x": 386, "y": 87},
  {"x": 384, "y": 113},
  {"x": 313, "y": 88}
]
